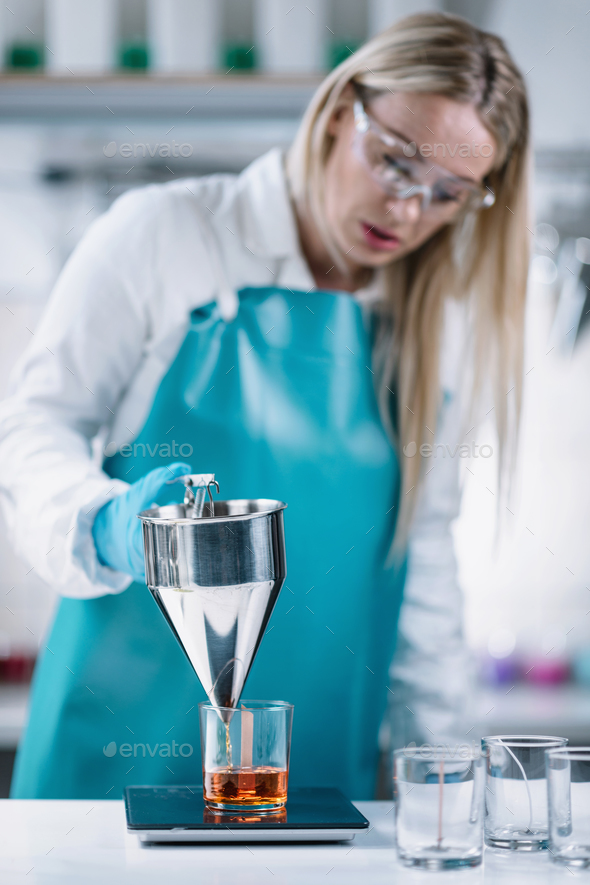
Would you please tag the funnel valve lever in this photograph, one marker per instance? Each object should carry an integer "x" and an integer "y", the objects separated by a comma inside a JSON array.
[
  {"x": 197, "y": 485},
  {"x": 210, "y": 505}
]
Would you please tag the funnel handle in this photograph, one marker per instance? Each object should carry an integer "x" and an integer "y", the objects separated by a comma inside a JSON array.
[
  {"x": 210, "y": 505},
  {"x": 196, "y": 487}
]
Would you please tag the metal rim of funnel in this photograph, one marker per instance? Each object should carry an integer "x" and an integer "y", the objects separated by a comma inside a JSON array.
[{"x": 269, "y": 506}]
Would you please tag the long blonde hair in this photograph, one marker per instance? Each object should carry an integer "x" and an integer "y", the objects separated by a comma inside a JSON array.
[{"x": 480, "y": 258}]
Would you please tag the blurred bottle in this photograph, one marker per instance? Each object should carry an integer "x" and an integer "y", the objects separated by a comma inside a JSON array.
[
  {"x": 17, "y": 668},
  {"x": 549, "y": 664},
  {"x": 80, "y": 36},
  {"x": 581, "y": 667},
  {"x": 21, "y": 37},
  {"x": 499, "y": 665},
  {"x": 238, "y": 50},
  {"x": 184, "y": 35},
  {"x": 16, "y": 665},
  {"x": 347, "y": 29},
  {"x": 291, "y": 36}
]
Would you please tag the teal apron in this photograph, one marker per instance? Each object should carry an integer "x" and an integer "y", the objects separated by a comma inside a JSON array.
[{"x": 280, "y": 403}]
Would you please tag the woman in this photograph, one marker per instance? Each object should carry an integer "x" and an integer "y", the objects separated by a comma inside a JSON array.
[{"x": 282, "y": 329}]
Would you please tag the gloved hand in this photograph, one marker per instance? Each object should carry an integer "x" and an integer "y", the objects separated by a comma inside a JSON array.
[{"x": 117, "y": 531}]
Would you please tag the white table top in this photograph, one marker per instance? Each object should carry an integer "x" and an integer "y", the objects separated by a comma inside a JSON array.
[{"x": 78, "y": 842}]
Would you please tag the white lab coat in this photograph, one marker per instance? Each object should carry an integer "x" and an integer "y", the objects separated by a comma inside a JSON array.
[{"x": 113, "y": 326}]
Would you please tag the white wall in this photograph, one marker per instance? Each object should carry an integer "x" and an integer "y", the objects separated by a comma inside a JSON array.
[
  {"x": 551, "y": 43},
  {"x": 383, "y": 13}
]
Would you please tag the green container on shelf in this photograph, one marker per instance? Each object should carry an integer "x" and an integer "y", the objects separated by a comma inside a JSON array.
[
  {"x": 239, "y": 57},
  {"x": 339, "y": 52},
  {"x": 24, "y": 56},
  {"x": 134, "y": 56}
]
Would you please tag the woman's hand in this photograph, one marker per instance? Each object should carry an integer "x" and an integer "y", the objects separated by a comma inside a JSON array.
[{"x": 117, "y": 530}]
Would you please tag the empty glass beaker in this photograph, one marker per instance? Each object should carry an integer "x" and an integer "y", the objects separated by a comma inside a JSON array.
[
  {"x": 439, "y": 806},
  {"x": 568, "y": 795},
  {"x": 516, "y": 790}
]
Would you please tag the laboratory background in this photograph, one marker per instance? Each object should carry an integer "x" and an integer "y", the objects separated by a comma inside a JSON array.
[{"x": 100, "y": 97}]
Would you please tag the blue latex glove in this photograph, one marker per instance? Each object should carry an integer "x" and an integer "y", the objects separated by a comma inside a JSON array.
[{"x": 117, "y": 530}]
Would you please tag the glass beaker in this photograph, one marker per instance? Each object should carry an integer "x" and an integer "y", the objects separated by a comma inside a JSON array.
[
  {"x": 568, "y": 796},
  {"x": 439, "y": 806},
  {"x": 245, "y": 755},
  {"x": 516, "y": 790}
]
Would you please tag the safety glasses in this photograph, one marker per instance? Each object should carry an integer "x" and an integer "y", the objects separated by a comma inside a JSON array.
[{"x": 393, "y": 164}]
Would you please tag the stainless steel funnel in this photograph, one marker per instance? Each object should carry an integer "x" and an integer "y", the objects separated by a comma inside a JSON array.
[{"x": 216, "y": 579}]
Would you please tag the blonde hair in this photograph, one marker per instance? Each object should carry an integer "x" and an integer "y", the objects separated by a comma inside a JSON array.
[{"x": 480, "y": 258}]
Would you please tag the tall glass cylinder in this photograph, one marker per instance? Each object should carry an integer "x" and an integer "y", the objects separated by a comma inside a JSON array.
[{"x": 568, "y": 794}]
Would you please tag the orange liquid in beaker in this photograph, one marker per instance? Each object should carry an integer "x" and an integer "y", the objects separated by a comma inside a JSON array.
[{"x": 246, "y": 786}]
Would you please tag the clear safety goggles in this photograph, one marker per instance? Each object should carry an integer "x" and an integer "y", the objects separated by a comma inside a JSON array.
[{"x": 393, "y": 165}]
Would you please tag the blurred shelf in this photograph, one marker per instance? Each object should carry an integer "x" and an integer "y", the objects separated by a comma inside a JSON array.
[
  {"x": 572, "y": 161},
  {"x": 562, "y": 710},
  {"x": 141, "y": 97},
  {"x": 13, "y": 714}
]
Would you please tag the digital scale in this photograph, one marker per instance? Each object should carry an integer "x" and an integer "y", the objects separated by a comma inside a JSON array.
[{"x": 179, "y": 814}]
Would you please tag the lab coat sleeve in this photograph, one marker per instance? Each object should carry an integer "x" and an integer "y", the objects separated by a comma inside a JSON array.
[
  {"x": 63, "y": 390},
  {"x": 430, "y": 672}
]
